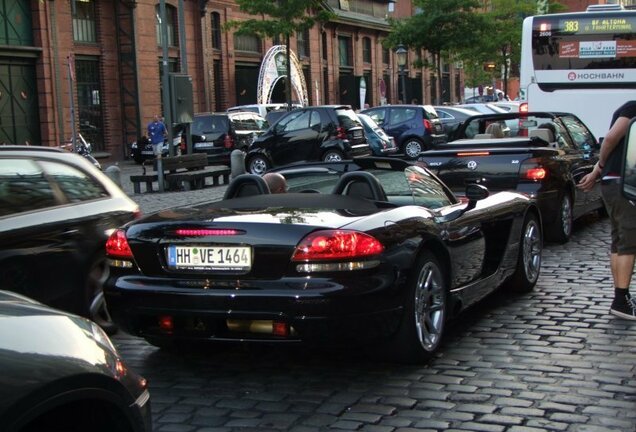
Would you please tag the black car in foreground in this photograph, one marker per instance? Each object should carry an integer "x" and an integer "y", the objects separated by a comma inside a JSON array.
[
  {"x": 317, "y": 133},
  {"x": 56, "y": 212},
  {"x": 60, "y": 372},
  {"x": 544, "y": 156},
  {"x": 376, "y": 249}
]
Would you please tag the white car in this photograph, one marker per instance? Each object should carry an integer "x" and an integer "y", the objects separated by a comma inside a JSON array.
[{"x": 262, "y": 109}]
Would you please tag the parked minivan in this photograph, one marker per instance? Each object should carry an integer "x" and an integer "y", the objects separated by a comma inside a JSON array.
[{"x": 415, "y": 127}]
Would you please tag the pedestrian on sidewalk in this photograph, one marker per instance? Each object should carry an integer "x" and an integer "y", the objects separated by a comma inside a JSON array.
[
  {"x": 622, "y": 212},
  {"x": 157, "y": 134}
]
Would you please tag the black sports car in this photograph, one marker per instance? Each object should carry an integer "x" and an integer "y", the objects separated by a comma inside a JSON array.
[{"x": 374, "y": 248}]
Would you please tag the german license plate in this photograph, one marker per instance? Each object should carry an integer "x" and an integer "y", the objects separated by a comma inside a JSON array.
[
  {"x": 234, "y": 258},
  {"x": 147, "y": 152}
]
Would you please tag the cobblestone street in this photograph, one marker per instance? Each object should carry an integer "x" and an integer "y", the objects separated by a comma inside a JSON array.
[{"x": 551, "y": 360}]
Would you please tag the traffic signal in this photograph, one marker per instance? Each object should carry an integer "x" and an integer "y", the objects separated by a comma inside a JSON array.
[{"x": 490, "y": 66}]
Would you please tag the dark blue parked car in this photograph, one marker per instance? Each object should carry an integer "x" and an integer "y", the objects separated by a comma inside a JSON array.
[{"x": 415, "y": 127}]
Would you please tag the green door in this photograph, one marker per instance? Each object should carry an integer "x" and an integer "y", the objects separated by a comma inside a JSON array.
[{"x": 19, "y": 120}]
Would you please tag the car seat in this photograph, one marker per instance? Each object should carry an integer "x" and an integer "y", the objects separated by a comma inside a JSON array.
[
  {"x": 360, "y": 184},
  {"x": 495, "y": 130},
  {"x": 246, "y": 185},
  {"x": 543, "y": 134}
]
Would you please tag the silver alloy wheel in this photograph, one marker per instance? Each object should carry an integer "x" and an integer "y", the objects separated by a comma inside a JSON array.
[
  {"x": 332, "y": 156},
  {"x": 258, "y": 165},
  {"x": 413, "y": 148},
  {"x": 429, "y": 306},
  {"x": 531, "y": 250},
  {"x": 566, "y": 216}
]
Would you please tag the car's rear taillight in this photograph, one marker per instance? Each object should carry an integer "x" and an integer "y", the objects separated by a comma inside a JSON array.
[
  {"x": 336, "y": 245},
  {"x": 428, "y": 126},
  {"x": 523, "y": 107},
  {"x": 532, "y": 170},
  {"x": 228, "y": 142},
  {"x": 341, "y": 133},
  {"x": 117, "y": 246}
]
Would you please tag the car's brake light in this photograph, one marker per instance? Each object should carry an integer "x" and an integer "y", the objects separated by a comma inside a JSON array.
[
  {"x": 531, "y": 169},
  {"x": 523, "y": 107},
  {"x": 117, "y": 246},
  {"x": 335, "y": 245},
  {"x": 228, "y": 142},
  {"x": 428, "y": 125},
  {"x": 341, "y": 133},
  {"x": 473, "y": 153},
  {"x": 205, "y": 232},
  {"x": 538, "y": 173}
]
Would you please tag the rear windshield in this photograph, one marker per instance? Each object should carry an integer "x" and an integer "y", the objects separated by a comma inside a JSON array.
[
  {"x": 430, "y": 112},
  {"x": 209, "y": 124},
  {"x": 347, "y": 118},
  {"x": 249, "y": 122}
]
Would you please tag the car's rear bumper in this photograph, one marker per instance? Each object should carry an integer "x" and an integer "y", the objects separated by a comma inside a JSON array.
[{"x": 330, "y": 313}]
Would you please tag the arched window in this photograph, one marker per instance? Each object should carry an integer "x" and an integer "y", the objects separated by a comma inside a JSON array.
[
  {"x": 366, "y": 50},
  {"x": 216, "y": 30},
  {"x": 171, "y": 24}
]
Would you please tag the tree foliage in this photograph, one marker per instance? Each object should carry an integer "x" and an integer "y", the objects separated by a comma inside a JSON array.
[{"x": 439, "y": 27}]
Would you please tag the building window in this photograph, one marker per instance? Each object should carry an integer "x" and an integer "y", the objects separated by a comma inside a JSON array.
[
  {"x": 345, "y": 51},
  {"x": 171, "y": 26},
  {"x": 366, "y": 50},
  {"x": 247, "y": 43},
  {"x": 89, "y": 101},
  {"x": 84, "y": 22},
  {"x": 216, "y": 30},
  {"x": 302, "y": 43},
  {"x": 386, "y": 55},
  {"x": 324, "y": 46}
]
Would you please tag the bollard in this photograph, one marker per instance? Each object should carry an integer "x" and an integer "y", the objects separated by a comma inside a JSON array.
[
  {"x": 114, "y": 173},
  {"x": 237, "y": 163}
]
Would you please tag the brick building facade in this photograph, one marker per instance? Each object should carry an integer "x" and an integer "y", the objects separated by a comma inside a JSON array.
[{"x": 100, "y": 61}]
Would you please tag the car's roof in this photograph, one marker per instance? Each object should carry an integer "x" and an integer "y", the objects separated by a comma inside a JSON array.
[
  {"x": 25, "y": 148},
  {"x": 463, "y": 110}
]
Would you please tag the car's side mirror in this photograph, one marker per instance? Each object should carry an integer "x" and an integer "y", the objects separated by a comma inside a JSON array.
[{"x": 629, "y": 163}]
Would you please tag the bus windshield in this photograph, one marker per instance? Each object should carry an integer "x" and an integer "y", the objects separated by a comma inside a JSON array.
[
  {"x": 584, "y": 46},
  {"x": 582, "y": 62}
]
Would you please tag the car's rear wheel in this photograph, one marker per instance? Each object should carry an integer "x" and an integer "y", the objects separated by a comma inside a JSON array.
[
  {"x": 96, "y": 308},
  {"x": 413, "y": 147},
  {"x": 258, "y": 164},
  {"x": 561, "y": 229},
  {"x": 332, "y": 156},
  {"x": 424, "y": 320},
  {"x": 529, "y": 259}
]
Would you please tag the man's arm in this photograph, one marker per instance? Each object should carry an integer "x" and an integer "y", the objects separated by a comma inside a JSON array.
[{"x": 612, "y": 138}]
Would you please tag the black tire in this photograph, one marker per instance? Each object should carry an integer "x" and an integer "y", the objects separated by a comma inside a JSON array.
[
  {"x": 258, "y": 164},
  {"x": 529, "y": 259},
  {"x": 424, "y": 320},
  {"x": 96, "y": 308},
  {"x": 561, "y": 229},
  {"x": 332, "y": 156},
  {"x": 412, "y": 148}
]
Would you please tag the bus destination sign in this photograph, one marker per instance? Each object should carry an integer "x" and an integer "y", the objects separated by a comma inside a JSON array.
[{"x": 606, "y": 25}]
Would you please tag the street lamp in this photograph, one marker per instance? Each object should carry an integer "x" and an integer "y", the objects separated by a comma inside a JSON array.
[{"x": 401, "y": 52}]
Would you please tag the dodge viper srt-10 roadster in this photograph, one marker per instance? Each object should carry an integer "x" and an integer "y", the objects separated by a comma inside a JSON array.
[{"x": 374, "y": 249}]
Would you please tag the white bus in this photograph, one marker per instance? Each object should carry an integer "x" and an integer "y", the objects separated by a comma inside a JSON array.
[{"x": 583, "y": 63}]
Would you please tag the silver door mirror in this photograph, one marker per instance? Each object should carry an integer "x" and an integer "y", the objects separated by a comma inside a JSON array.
[{"x": 629, "y": 163}]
